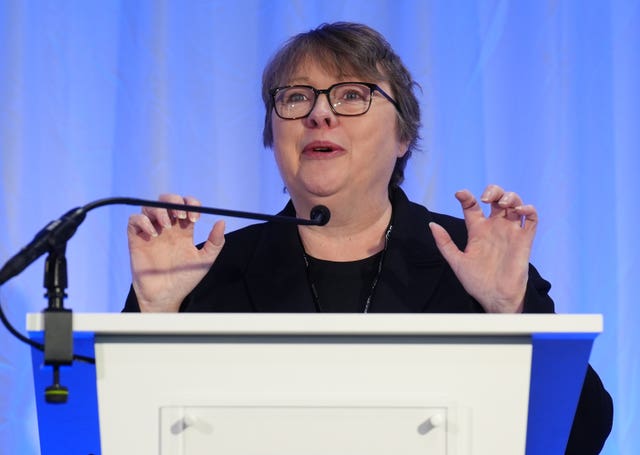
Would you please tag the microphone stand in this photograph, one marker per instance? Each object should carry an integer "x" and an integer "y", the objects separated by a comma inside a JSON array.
[{"x": 58, "y": 331}]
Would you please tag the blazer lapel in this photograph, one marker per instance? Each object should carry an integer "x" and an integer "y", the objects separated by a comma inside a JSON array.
[
  {"x": 276, "y": 277},
  {"x": 413, "y": 266}
]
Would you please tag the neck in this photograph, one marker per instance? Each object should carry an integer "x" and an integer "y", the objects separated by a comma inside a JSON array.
[{"x": 355, "y": 231}]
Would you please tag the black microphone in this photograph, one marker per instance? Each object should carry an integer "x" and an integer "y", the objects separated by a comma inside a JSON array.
[
  {"x": 321, "y": 214},
  {"x": 53, "y": 235},
  {"x": 58, "y": 232}
]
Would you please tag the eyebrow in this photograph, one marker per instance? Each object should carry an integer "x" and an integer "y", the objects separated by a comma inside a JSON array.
[
  {"x": 303, "y": 80},
  {"x": 298, "y": 80}
]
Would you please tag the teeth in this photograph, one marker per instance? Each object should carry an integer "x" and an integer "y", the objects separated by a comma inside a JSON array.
[{"x": 322, "y": 149}]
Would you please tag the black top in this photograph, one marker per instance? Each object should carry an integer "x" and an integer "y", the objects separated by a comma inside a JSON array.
[{"x": 343, "y": 287}]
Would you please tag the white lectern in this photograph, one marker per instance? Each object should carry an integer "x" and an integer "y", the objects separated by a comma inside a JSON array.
[{"x": 318, "y": 384}]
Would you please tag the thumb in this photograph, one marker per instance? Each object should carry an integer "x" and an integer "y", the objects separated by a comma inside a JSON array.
[
  {"x": 447, "y": 247},
  {"x": 215, "y": 241}
]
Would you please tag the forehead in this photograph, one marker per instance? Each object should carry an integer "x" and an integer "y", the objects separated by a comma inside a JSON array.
[{"x": 301, "y": 69}]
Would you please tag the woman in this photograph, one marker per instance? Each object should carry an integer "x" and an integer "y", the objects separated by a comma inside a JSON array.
[{"x": 342, "y": 120}]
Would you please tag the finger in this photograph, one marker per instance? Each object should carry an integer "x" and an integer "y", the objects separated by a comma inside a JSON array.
[
  {"x": 492, "y": 193},
  {"x": 158, "y": 216},
  {"x": 470, "y": 207},
  {"x": 529, "y": 217},
  {"x": 502, "y": 202},
  {"x": 509, "y": 200},
  {"x": 141, "y": 224},
  {"x": 215, "y": 241},
  {"x": 192, "y": 216},
  {"x": 447, "y": 247},
  {"x": 174, "y": 199},
  {"x": 505, "y": 206}
]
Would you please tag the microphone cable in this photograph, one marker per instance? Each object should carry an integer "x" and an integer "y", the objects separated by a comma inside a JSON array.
[{"x": 35, "y": 344}]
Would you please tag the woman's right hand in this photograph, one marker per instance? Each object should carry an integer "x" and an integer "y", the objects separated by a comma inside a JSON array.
[{"x": 165, "y": 263}]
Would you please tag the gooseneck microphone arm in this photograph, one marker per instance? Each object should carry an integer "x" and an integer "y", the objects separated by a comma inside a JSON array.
[
  {"x": 58, "y": 232},
  {"x": 319, "y": 215}
]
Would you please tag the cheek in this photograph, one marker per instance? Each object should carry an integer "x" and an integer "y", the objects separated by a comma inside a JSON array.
[
  {"x": 284, "y": 145},
  {"x": 386, "y": 139},
  {"x": 282, "y": 132}
]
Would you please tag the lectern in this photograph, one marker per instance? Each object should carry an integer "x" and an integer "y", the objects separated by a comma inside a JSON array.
[{"x": 318, "y": 384}]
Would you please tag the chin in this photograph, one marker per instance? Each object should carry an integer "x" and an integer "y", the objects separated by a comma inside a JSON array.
[{"x": 319, "y": 189}]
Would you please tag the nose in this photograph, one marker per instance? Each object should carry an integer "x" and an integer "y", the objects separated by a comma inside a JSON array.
[{"x": 321, "y": 114}]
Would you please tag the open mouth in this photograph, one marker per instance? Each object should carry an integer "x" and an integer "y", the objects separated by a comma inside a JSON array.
[{"x": 321, "y": 147}]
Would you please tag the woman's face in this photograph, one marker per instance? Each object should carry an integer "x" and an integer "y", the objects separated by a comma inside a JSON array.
[{"x": 325, "y": 154}]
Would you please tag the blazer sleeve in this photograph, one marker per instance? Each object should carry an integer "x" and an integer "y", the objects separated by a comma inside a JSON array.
[
  {"x": 131, "y": 304},
  {"x": 537, "y": 299},
  {"x": 594, "y": 417},
  {"x": 594, "y": 414}
]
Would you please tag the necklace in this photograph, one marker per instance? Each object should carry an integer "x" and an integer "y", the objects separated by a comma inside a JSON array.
[{"x": 374, "y": 282}]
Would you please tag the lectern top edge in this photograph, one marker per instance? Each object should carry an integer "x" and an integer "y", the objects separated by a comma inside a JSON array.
[{"x": 333, "y": 324}]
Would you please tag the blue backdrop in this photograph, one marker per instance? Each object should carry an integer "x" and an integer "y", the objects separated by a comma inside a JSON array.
[{"x": 136, "y": 98}]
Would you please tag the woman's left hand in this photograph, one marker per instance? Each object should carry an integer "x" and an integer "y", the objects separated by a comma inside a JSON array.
[{"x": 494, "y": 266}]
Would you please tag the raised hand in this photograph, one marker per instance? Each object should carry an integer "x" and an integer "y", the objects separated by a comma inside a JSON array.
[
  {"x": 494, "y": 266},
  {"x": 165, "y": 263}
]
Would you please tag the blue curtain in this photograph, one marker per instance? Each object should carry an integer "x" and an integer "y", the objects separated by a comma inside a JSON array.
[{"x": 137, "y": 98}]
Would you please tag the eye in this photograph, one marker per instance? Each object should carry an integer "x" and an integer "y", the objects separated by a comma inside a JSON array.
[
  {"x": 293, "y": 95},
  {"x": 352, "y": 93},
  {"x": 296, "y": 97}
]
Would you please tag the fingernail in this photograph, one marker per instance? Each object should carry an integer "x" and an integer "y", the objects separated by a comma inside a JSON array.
[
  {"x": 193, "y": 217},
  {"x": 182, "y": 215}
]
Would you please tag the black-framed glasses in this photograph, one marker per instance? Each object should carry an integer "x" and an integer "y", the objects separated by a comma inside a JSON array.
[{"x": 345, "y": 98}]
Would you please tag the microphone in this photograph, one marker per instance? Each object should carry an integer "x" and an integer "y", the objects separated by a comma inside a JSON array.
[
  {"x": 53, "y": 235},
  {"x": 321, "y": 214},
  {"x": 58, "y": 232}
]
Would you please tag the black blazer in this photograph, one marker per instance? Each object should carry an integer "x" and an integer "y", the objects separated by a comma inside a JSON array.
[{"x": 261, "y": 269}]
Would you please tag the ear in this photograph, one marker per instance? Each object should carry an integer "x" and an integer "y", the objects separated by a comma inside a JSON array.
[{"x": 403, "y": 148}]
